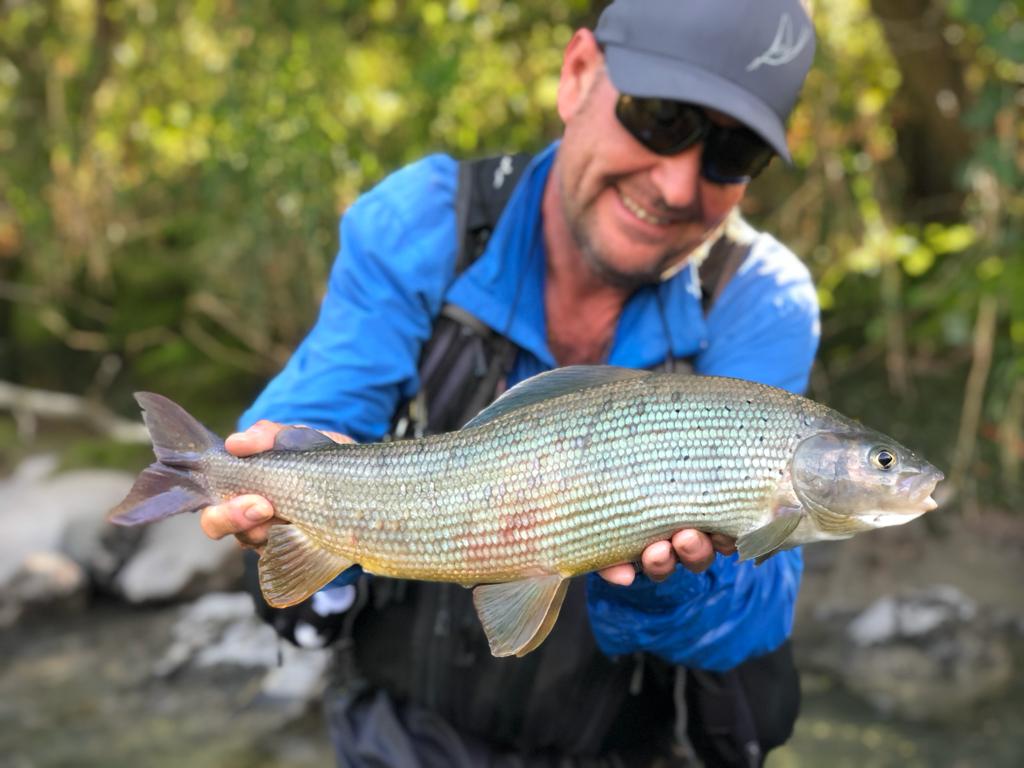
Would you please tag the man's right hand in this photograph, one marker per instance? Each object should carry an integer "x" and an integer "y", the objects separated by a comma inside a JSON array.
[{"x": 248, "y": 518}]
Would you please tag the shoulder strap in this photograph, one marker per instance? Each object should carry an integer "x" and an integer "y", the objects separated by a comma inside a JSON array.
[
  {"x": 485, "y": 186},
  {"x": 719, "y": 261},
  {"x": 463, "y": 361},
  {"x": 724, "y": 259}
]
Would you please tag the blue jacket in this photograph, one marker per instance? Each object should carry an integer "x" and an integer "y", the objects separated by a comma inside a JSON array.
[{"x": 396, "y": 268}]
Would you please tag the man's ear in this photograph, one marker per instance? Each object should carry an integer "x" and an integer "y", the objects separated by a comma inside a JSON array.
[{"x": 581, "y": 66}]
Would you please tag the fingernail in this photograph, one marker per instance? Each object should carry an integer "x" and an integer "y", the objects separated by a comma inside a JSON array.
[
  {"x": 257, "y": 513},
  {"x": 689, "y": 540}
]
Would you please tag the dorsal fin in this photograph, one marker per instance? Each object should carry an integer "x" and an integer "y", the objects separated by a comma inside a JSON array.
[{"x": 544, "y": 386}]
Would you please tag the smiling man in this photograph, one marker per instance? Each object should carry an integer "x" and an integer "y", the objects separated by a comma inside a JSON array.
[{"x": 620, "y": 244}]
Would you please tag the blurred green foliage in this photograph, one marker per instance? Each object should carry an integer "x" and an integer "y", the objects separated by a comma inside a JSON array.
[{"x": 171, "y": 176}]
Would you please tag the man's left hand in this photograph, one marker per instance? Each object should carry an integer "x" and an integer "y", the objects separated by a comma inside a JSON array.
[{"x": 695, "y": 550}]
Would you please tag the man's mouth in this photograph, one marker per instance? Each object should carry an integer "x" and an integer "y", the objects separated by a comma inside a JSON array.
[{"x": 640, "y": 212}]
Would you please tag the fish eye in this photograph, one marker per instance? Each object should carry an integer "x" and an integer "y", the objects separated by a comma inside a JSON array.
[{"x": 883, "y": 458}]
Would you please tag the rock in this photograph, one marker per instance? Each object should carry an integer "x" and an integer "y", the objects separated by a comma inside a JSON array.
[
  {"x": 176, "y": 559},
  {"x": 203, "y": 622},
  {"x": 38, "y": 509},
  {"x": 223, "y": 629},
  {"x": 42, "y": 579},
  {"x": 889, "y": 618},
  {"x": 298, "y": 681},
  {"x": 66, "y": 514},
  {"x": 927, "y": 655},
  {"x": 60, "y": 515}
]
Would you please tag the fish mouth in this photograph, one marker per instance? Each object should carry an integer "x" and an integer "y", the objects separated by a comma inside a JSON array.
[
  {"x": 880, "y": 518},
  {"x": 883, "y": 518},
  {"x": 919, "y": 490}
]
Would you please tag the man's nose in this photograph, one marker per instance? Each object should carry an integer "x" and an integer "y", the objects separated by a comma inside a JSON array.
[{"x": 677, "y": 177}]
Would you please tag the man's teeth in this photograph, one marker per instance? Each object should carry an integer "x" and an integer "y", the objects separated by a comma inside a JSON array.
[{"x": 640, "y": 213}]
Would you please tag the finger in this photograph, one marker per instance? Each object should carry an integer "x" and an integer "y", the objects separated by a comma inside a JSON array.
[
  {"x": 256, "y": 439},
  {"x": 658, "y": 561},
  {"x": 693, "y": 549},
  {"x": 723, "y": 544},
  {"x": 235, "y": 516},
  {"x": 339, "y": 438},
  {"x": 255, "y": 538},
  {"x": 621, "y": 574}
]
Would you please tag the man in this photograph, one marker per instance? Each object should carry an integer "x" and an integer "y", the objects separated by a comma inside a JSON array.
[{"x": 670, "y": 107}]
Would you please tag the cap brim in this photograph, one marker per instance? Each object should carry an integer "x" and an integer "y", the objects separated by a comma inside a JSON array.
[{"x": 652, "y": 75}]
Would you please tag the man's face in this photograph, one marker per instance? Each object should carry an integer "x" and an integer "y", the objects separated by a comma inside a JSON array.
[{"x": 633, "y": 213}]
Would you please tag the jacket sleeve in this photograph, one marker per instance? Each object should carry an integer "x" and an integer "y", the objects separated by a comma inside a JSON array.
[
  {"x": 764, "y": 327},
  {"x": 397, "y": 255}
]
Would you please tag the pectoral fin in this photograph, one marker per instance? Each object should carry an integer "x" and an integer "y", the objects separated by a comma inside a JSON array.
[
  {"x": 518, "y": 615},
  {"x": 293, "y": 566},
  {"x": 767, "y": 539}
]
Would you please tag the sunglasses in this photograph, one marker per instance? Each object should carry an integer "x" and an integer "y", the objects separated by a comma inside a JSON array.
[{"x": 732, "y": 154}]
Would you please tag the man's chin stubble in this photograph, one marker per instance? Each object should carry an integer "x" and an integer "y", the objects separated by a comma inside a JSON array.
[
  {"x": 627, "y": 280},
  {"x": 612, "y": 276}
]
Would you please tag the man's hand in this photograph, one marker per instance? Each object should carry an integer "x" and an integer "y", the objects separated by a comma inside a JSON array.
[
  {"x": 695, "y": 550},
  {"x": 248, "y": 518}
]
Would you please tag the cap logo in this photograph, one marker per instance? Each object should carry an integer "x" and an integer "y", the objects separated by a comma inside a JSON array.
[{"x": 783, "y": 48}]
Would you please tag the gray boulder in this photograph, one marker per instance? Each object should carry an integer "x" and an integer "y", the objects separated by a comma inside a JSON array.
[
  {"x": 222, "y": 629},
  {"x": 38, "y": 508},
  {"x": 926, "y": 656},
  {"x": 50, "y": 517},
  {"x": 42, "y": 580},
  {"x": 175, "y": 560},
  {"x": 53, "y": 529}
]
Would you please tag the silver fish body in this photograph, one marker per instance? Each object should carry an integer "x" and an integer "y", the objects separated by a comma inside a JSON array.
[
  {"x": 570, "y": 472},
  {"x": 564, "y": 487}
]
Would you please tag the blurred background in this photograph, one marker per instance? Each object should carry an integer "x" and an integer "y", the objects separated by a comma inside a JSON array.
[{"x": 171, "y": 177}]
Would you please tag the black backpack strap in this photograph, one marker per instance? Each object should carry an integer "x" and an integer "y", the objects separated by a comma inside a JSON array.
[
  {"x": 724, "y": 259},
  {"x": 463, "y": 362},
  {"x": 485, "y": 186}
]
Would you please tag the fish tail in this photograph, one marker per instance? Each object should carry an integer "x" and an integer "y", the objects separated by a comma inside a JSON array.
[{"x": 175, "y": 482}]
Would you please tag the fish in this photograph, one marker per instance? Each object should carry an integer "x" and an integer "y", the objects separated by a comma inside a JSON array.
[{"x": 567, "y": 472}]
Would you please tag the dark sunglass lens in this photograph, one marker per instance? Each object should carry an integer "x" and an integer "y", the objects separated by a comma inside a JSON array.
[
  {"x": 661, "y": 125},
  {"x": 734, "y": 155}
]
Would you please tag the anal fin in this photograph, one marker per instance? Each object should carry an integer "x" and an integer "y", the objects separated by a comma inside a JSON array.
[
  {"x": 518, "y": 615},
  {"x": 760, "y": 544},
  {"x": 293, "y": 566}
]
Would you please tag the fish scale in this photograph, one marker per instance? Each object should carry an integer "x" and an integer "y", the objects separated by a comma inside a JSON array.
[{"x": 565, "y": 485}]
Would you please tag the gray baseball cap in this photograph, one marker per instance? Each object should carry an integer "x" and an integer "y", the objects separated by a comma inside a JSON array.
[{"x": 745, "y": 58}]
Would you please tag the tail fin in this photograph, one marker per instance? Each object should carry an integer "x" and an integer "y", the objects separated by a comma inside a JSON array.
[{"x": 173, "y": 483}]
